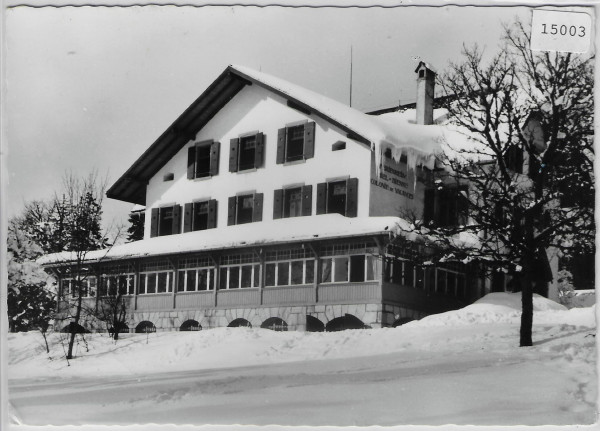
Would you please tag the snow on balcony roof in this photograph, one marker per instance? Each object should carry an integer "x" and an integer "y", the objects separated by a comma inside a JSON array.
[{"x": 270, "y": 232}]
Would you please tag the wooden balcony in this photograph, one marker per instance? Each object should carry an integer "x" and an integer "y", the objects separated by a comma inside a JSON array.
[
  {"x": 155, "y": 302},
  {"x": 238, "y": 298},
  {"x": 349, "y": 293},
  {"x": 289, "y": 295},
  {"x": 194, "y": 300}
]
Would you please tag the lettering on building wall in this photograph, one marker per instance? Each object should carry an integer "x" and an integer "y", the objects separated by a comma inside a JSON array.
[{"x": 394, "y": 181}]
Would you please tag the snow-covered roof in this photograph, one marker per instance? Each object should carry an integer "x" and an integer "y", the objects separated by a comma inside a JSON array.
[
  {"x": 418, "y": 142},
  {"x": 269, "y": 232}
]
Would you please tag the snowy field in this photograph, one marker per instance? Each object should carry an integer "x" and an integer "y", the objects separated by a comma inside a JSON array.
[{"x": 460, "y": 367}]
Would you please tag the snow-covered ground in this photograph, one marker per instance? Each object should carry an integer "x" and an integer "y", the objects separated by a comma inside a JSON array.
[{"x": 460, "y": 367}]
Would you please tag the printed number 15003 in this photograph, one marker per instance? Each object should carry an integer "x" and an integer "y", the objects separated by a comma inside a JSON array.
[{"x": 562, "y": 31}]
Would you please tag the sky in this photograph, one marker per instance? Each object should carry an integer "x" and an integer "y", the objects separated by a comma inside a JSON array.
[{"x": 90, "y": 89}]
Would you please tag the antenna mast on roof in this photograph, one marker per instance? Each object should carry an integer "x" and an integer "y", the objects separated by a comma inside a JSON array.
[{"x": 350, "y": 75}]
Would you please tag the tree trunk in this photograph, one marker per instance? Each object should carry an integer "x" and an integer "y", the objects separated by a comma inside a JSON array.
[
  {"x": 527, "y": 307},
  {"x": 75, "y": 322},
  {"x": 45, "y": 341}
]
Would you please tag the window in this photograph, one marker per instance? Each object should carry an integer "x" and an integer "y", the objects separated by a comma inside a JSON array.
[
  {"x": 165, "y": 221},
  {"x": 338, "y": 197},
  {"x": 156, "y": 282},
  {"x": 339, "y": 145},
  {"x": 513, "y": 158},
  {"x": 87, "y": 283},
  {"x": 292, "y": 202},
  {"x": 239, "y": 271},
  {"x": 246, "y": 152},
  {"x": 200, "y": 215},
  {"x": 245, "y": 209},
  {"x": 296, "y": 142},
  {"x": 203, "y": 159},
  {"x": 122, "y": 284},
  {"x": 289, "y": 273},
  {"x": 191, "y": 280},
  {"x": 446, "y": 207},
  {"x": 355, "y": 268}
]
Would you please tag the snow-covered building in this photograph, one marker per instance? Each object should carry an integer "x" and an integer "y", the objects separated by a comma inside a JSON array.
[{"x": 270, "y": 205}]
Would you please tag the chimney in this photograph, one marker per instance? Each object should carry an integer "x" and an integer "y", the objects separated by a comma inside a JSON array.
[{"x": 425, "y": 89}]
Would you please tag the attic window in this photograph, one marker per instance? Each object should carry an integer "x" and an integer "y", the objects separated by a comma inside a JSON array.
[
  {"x": 296, "y": 142},
  {"x": 421, "y": 73},
  {"x": 339, "y": 145},
  {"x": 169, "y": 177}
]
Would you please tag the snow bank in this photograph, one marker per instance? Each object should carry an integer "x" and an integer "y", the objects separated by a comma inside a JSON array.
[
  {"x": 506, "y": 308},
  {"x": 459, "y": 330},
  {"x": 267, "y": 232}
]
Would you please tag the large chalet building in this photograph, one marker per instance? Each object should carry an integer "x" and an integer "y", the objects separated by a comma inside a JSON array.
[{"x": 268, "y": 205}]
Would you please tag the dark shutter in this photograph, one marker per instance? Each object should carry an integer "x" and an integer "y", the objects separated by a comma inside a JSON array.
[
  {"x": 233, "y": 154},
  {"x": 307, "y": 200},
  {"x": 187, "y": 217},
  {"x": 281, "y": 146},
  {"x": 428, "y": 206},
  {"x": 231, "y": 210},
  {"x": 191, "y": 167},
  {"x": 214, "y": 158},
  {"x": 154, "y": 222},
  {"x": 321, "y": 198},
  {"x": 260, "y": 150},
  {"x": 352, "y": 197},
  {"x": 309, "y": 140},
  {"x": 258, "y": 205},
  {"x": 462, "y": 206},
  {"x": 278, "y": 204},
  {"x": 176, "y": 219},
  {"x": 212, "y": 214}
]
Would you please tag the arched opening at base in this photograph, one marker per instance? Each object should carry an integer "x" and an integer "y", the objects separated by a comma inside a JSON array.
[
  {"x": 74, "y": 327},
  {"x": 275, "y": 324},
  {"x": 121, "y": 327},
  {"x": 145, "y": 327},
  {"x": 401, "y": 321},
  {"x": 190, "y": 325},
  {"x": 239, "y": 323},
  {"x": 348, "y": 321},
  {"x": 314, "y": 325}
]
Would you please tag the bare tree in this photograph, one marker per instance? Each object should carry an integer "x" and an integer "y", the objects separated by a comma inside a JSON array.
[
  {"x": 70, "y": 223},
  {"x": 527, "y": 177}
]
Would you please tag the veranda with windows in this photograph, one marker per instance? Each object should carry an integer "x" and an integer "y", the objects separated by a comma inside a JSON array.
[{"x": 332, "y": 272}]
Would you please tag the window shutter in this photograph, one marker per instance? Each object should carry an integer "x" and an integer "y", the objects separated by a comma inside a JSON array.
[
  {"x": 307, "y": 200},
  {"x": 191, "y": 169},
  {"x": 278, "y": 204},
  {"x": 231, "y": 210},
  {"x": 212, "y": 214},
  {"x": 519, "y": 160},
  {"x": 257, "y": 210},
  {"x": 233, "y": 154},
  {"x": 214, "y": 158},
  {"x": 463, "y": 206},
  {"x": 352, "y": 197},
  {"x": 154, "y": 222},
  {"x": 176, "y": 219},
  {"x": 187, "y": 217},
  {"x": 428, "y": 206},
  {"x": 260, "y": 149},
  {"x": 281, "y": 146},
  {"x": 321, "y": 198},
  {"x": 309, "y": 140}
]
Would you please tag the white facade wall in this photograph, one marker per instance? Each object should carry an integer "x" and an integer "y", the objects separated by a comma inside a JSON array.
[{"x": 255, "y": 109}]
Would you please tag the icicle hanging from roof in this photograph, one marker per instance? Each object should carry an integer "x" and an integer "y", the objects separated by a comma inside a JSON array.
[{"x": 414, "y": 157}]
